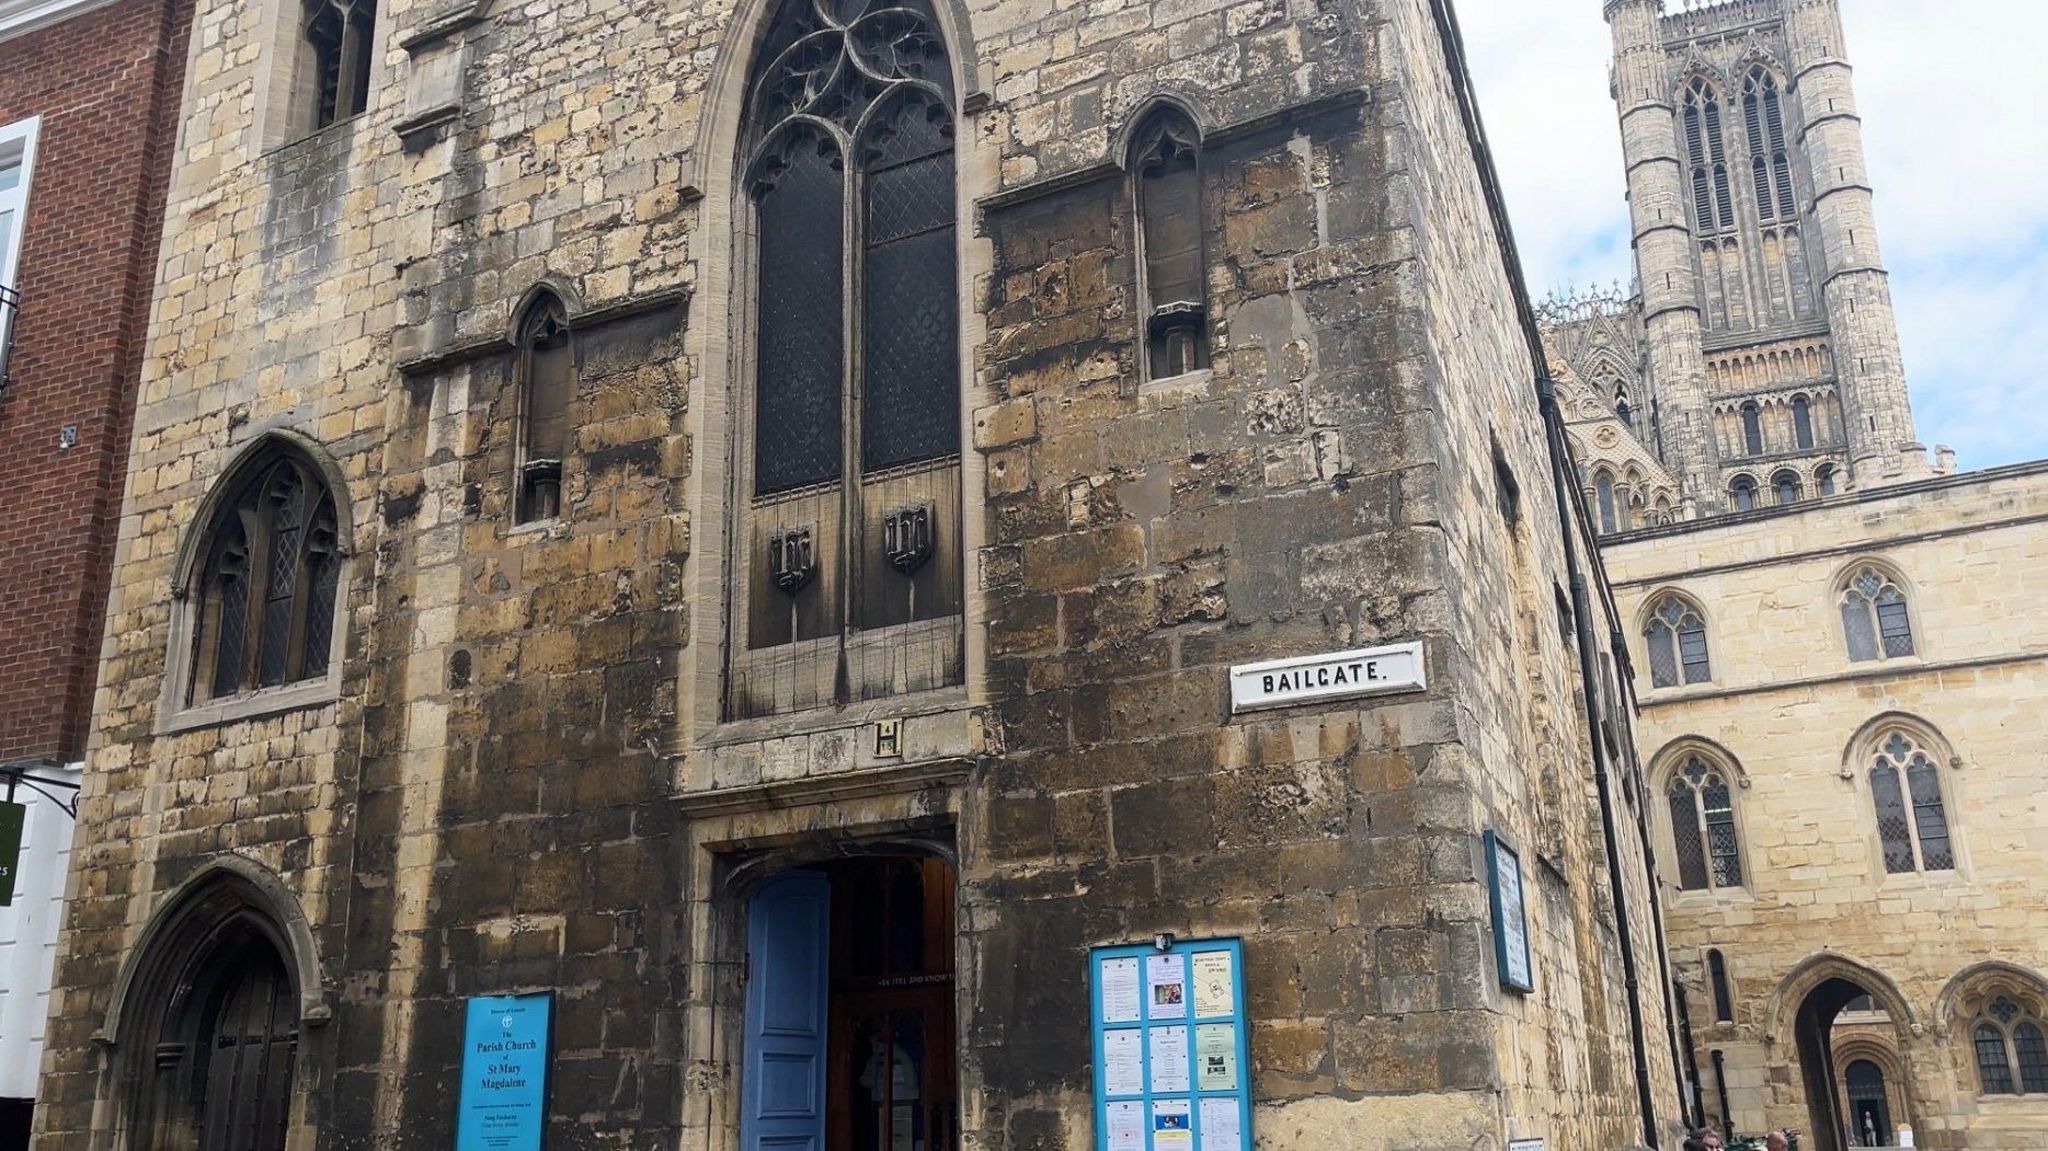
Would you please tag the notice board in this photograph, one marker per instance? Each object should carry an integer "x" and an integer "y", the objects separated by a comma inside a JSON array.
[
  {"x": 506, "y": 1046},
  {"x": 1172, "y": 1056}
]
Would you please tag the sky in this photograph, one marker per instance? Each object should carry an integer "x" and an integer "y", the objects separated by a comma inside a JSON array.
[{"x": 1955, "y": 129}]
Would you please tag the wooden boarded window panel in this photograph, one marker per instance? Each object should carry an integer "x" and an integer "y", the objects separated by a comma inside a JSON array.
[
  {"x": 911, "y": 375},
  {"x": 800, "y": 347}
]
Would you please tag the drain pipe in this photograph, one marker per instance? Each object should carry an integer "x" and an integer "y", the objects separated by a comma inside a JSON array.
[
  {"x": 1721, "y": 1091},
  {"x": 1566, "y": 486}
]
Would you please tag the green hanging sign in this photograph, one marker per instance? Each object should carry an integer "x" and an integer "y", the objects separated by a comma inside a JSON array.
[{"x": 12, "y": 817}]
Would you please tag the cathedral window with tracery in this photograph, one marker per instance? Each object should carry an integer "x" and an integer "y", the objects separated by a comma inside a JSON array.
[
  {"x": 1876, "y": 621},
  {"x": 267, "y": 593},
  {"x": 1703, "y": 827},
  {"x": 1912, "y": 820},
  {"x": 1707, "y": 155},
  {"x": 1677, "y": 638},
  {"x": 2011, "y": 1049}
]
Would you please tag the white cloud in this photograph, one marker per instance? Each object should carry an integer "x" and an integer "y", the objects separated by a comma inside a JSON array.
[{"x": 1952, "y": 101}]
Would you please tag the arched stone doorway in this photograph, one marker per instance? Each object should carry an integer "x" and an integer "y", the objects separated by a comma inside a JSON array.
[
  {"x": 207, "y": 1017},
  {"x": 850, "y": 1014},
  {"x": 1845, "y": 1030}
]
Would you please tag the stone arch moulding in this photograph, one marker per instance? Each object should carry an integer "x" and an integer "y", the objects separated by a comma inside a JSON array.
[
  {"x": 1822, "y": 966},
  {"x": 256, "y": 888},
  {"x": 1651, "y": 602},
  {"x": 716, "y": 149},
  {"x": 1988, "y": 974},
  {"x": 1857, "y": 751},
  {"x": 1185, "y": 104},
  {"x": 934, "y": 840},
  {"x": 551, "y": 284},
  {"x": 1674, "y": 753},
  {"x": 191, "y": 548}
]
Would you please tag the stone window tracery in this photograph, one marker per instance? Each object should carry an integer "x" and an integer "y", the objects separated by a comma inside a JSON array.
[
  {"x": 1876, "y": 621},
  {"x": 267, "y": 591},
  {"x": 1166, "y": 166},
  {"x": 1703, "y": 826},
  {"x": 1912, "y": 820},
  {"x": 2011, "y": 1049},
  {"x": 849, "y": 560},
  {"x": 334, "y": 75},
  {"x": 1677, "y": 637},
  {"x": 1707, "y": 155}
]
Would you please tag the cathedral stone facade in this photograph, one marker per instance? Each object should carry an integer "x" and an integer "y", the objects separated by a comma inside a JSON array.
[
  {"x": 739, "y": 520},
  {"x": 1832, "y": 641}
]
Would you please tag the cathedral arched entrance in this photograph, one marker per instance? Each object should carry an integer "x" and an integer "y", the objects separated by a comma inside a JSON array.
[{"x": 849, "y": 1041}]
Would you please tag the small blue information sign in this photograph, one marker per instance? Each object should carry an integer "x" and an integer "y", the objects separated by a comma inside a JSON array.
[
  {"x": 505, "y": 1049},
  {"x": 1172, "y": 1057}
]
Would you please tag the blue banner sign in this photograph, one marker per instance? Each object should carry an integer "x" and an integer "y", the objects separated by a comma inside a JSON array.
[{"x": 505, "y": 1073}]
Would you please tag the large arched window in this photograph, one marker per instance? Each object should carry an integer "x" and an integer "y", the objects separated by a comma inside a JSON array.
[
  {"x": 1677, "y": 638},
  {"x": 1912, "y": 820},
  {"x": 1875, "y": 619},
  {"x": 2011, "y": 1049},
  {"x": 1703, "y": 826},
  {"x": 1742, "y": 493},
  {"x": 1707, "y": 155},
  {"x": 849, "y": 441},
  {"x": 1166, "y": 163},
  {"x": 268, "y": 583}
]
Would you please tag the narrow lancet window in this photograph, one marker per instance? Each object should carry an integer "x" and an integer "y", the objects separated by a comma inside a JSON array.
[
  {"x": 548, "y": 380},
  {"x": 1167, "y": 163}
]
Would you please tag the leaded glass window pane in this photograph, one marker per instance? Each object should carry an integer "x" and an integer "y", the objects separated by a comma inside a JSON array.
[
  {"x": 1892, "y": 827},
  {"x": 1692, "y": 649},
  {"x": 911, "y": 386},
  {"x": 1663, "y": 656},
  {"x": 1858, "y": 628},
  {"x": 801, "y": 350},
  {"x": 231, "y": 606},
  {"x": 1929, "y": 821},
  {"x": 1722, "y": 848},
  {"x": 1893, "y": 627},
  {"x": 1685, "y": 834},
  {"x": 2029, "y": 1044},
  {"x": 268, "y": 600},
  {"x": 1993, "y": 1067},
  {"x": 281, "y": 587}
]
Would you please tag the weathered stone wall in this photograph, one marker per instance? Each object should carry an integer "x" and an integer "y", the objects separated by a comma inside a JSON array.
[
  {"x": 1788, "y": 709},
  {"x": 519, "y": 778}
]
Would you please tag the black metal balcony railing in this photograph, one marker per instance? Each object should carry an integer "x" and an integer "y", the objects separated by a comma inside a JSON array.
[{"x": 10, "y": 306}]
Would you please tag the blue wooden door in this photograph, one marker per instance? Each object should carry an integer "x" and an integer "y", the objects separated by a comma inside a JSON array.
[{"x": 782, "y": 1085}]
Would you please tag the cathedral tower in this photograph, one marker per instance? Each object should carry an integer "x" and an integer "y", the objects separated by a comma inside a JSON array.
[{"x": 1772, "y": 349}]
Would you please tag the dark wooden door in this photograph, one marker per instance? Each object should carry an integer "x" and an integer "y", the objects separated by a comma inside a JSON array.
[{"x": 247, "y": 1062}]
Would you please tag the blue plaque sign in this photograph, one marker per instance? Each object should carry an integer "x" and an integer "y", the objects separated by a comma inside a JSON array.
[{"x": 505, "y": 1073}]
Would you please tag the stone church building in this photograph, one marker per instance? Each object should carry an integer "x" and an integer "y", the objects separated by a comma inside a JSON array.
[
  {"x": 1837, "y": 647},
  {"x": 743, "y": 527}
]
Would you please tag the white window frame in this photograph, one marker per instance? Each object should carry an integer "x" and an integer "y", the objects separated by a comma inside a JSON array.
[{"x": 17, "y": 142}]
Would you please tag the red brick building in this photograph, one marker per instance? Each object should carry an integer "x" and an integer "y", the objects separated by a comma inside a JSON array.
[{"x": 89, "y": 95}]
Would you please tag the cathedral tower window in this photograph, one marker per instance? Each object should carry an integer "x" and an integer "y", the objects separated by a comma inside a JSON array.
[
  {"x": 1785, "y": 487},
  {"x": 1166, "y": 164},
  {"x": 1912, "y": 820},
  {"x": 1824, "y": 479},
  {"x": 1876, "y": 621},
  {"x": 847, "y": 550},
  {"x": 1770, "y": 163},
  {"x": 547, "y": 380},
  {"x": 1676, "y": 633},
  {"x": 334, "y": 59},
  {"x": 1742, "y": 493},
  {"x": 267, "y": 590},
  {"x": 1707, "y": 155},
  {"x": 1752, "y": 429},
  {"x": 1717, "y": 974},
  {"x": 1703, "y": 826},
  {"x": 1802, "y": 422}
]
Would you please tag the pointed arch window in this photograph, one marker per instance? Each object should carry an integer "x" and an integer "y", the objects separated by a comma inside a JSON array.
[
  {"x": 849, "y": 438},
  {"x": 335, "y": 57},
  {"x": 1770, "y": 162},
  {"x": 547, "y": 380},
  {"x": 267, "y": 592},
  {"x": 1707, "y": 154},
  {"x": 1802, "y": 421},
  {"x": 1677, "y": 637},
  {"x": 1752, "y": 429},
  {"x": 1875, "y": 616},
  {"x": 1742, "y": 493},
  {"x": 1703, "y": 827},
  {"x": 2011, "y": 1049},
  {"x": 1785, "y": 487},
  {"x": 1912, "y": 821},
  {"x": 1166, "y": 164},
  {"x": 1603, "y": 494}
]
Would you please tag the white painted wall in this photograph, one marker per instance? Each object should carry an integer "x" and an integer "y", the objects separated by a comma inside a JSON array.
[{"x": 28, "y": 936}]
